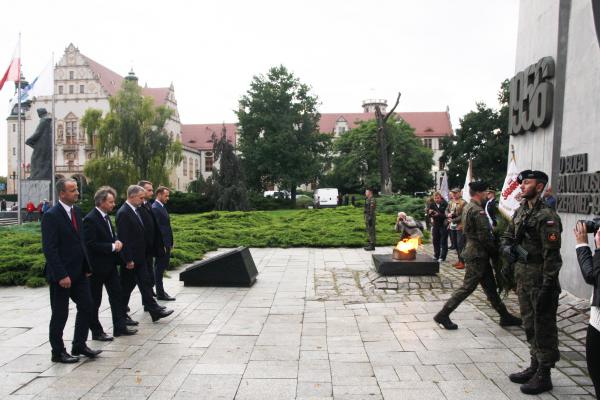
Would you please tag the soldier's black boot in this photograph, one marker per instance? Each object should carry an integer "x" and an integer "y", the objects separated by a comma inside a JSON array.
[
  {"x": 525, "y": 375},
  {"x": 443, "y": 319},
  {"x": 540, "y": 382},
  {"x": 507, "y": 319}
]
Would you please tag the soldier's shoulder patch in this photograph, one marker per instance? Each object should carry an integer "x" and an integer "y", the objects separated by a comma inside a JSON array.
[
  {"x": 552, "y": 237},
  {"x": 482, "y": 212},
  {"x": 550, "y": 223}
]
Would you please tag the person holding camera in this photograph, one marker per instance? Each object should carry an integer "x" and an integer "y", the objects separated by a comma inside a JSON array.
[
  {"x": 531, "y": 243},
  {"x": 590, "y": 269}
]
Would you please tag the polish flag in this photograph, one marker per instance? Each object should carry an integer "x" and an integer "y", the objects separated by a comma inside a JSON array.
[{"x": 13, "y": 73}]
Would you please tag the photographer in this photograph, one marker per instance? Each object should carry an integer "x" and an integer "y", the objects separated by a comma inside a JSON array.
[
  {"x": 590, "y": 269},
  {"x": 407, "y": 227}
]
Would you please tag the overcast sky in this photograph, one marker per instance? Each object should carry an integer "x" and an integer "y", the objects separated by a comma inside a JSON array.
[{"x": 438, "y": 53}]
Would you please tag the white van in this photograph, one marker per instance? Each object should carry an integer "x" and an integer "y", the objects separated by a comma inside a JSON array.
[{"x": 326, "y": 197}]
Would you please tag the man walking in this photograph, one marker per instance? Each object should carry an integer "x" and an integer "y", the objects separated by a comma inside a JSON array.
[
  {"x": 67, "y": 273},
  {"x": 370, "y": 212},
  {"x": 103, "y": 248},
  {"x": 479, "y": 248},
  {"x": 135, "y": 252},
  {"x": 164, "y": 227},
  {"x": 532, "y": 243}
]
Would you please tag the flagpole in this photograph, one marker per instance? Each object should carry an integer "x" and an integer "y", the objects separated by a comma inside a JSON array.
[
  {"x": 19, "y": 160},
  {"x": 53, "y": 146}
]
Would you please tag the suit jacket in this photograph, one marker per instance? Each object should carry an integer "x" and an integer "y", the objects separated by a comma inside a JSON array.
[
  {"x": 131, "y": 233},
  {"x": 99, "y": 243},
  {"x": 63, "y": 246},
  {"x": 164, "y": 224},
  {"x": 590, "y": 269},
  {"x": 154, "y": 241}
]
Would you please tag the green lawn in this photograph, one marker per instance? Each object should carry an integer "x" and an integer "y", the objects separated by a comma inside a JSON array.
[{"x": 22, "y": 261}]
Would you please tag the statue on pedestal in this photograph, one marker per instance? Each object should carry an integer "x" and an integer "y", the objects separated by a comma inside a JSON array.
[{"x": 41, "y": 142}]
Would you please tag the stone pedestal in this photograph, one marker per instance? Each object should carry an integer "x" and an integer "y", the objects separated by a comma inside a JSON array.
[
  {"x": 421, "y": 265},
  {"x": 35, "y": 191}
]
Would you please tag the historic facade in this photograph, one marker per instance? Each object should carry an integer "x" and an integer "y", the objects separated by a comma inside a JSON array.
[{"x": 82, "y": 83}]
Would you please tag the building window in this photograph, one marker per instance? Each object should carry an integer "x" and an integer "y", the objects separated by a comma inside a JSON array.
[
  {"x": 428, "y": 143},
  {"x": 71, "y": 89},
  {"x": 71, "y": 75},
  {"x": 14, "y": 127},
  {"x": 185, "y": 166},
  {"x": 80, "y": 88},
  {"x": 208, "y": 162},
  {"x": 71, "y": 136},
  {"x": 60, "y": 89},
  {"x": 14, "y": 151},
  {"x": 442, "y": 165},
  {"x": 191, "y": 169},
  {"x": 197, "y": 168}
]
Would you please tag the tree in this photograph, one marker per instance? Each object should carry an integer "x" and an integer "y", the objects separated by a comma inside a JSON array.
[
  {"x": 279, "y": 136},
  {"x": 197, "y": 186},
  {"x": 385, "y": 148},
  {"x": 483, "y": 138},
  {"x": 131, "y": 139},
  {"x": 231, "y": 194},
  {"x": 357, "y": 163}
]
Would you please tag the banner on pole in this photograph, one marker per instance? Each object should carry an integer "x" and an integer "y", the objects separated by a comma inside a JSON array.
[
  {"x": 444, "y": 187},
  {"x": 469, "y": 178},
  {"x": 510, "y": 197}
]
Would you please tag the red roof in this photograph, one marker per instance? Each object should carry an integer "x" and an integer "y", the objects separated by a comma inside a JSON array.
[
  {"x": 425, "y": 123},
  {"x": 111, "y": 81},
  {"x": 199, "y": 136}
]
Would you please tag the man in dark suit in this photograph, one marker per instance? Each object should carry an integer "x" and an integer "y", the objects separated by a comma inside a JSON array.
[
  {"x": 67, "y": 271},
  {"x": 153, "y": 235},
  {"x": 164, "y": 227},
  {"x": 103, "y": 248},
  {"x": 135, "y": 252}
]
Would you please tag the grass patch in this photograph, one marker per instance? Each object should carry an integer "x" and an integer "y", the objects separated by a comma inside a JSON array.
[{"x": 22, "y": 260}]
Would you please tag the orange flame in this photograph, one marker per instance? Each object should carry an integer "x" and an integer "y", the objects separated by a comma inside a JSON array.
[{"x": 406, "y": 245}]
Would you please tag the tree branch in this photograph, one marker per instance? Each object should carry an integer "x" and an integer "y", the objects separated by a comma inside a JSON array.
[{"x": 393, "y": 108}]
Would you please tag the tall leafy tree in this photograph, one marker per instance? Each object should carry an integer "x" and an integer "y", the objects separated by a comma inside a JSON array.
[
  {"x": 131, "y": 140},
  {"x": 231, "y": 193},
  {"x": 279, "y": 135},
  {"x": 483, "y": 138},
  {"x": 356, "y": 164}
]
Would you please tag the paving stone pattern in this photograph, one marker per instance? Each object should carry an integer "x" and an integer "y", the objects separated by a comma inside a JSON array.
[{"x": 318, "y": 324}]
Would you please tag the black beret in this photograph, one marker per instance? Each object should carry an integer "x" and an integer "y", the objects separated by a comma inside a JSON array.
[
  {"x": 478, "y": 186},
  {"x": 529, "y": 174}
]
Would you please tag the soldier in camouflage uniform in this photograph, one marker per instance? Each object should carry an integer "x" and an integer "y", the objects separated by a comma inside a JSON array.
[
  {"x": 370, "y": 208},
  {"x": 479, "y": 248},
  {"x": 536, "y": 228}
]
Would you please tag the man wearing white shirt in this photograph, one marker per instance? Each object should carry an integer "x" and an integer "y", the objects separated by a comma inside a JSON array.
[
  {"x": 103, "y": 248},
  {"x": 590, "y": 269}
]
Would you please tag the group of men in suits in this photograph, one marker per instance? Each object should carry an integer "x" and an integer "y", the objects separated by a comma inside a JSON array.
[{"x": 83, "y": 255}]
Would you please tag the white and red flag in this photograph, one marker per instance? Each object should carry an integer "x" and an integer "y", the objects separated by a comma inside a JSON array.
[
  {"x": 13, "y": 73},
  {"x": 511, "y": 190}
]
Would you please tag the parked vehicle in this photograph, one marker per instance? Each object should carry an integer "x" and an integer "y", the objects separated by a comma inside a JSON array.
[
  {"x": 281, "y": 194},
  {"x": 326, "y": 197}
]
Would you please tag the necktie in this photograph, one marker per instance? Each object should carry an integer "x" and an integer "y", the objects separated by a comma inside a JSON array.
[
  {"x": 74, "y": 219},
  {"x": 107, "y": 219},
  {"x": 137, "y": 212}
]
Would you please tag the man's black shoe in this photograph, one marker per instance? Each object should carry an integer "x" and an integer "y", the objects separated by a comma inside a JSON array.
[
  {"x": 369, "y": 248},
  {"x": 443, "y": 319},
  {"x": 158, "y": 314},
  {"x": 102, "y": 337},
  {"x": 147, "y": 309},
  {"x": 64, "y": 358},
  {"x": 86, "y": 351},
  {"x": 126, "y": 331},
  {"x": 165, "y": 297},
  {"x": 525, "y": 375},
  {"x": 130, "y": 322}
]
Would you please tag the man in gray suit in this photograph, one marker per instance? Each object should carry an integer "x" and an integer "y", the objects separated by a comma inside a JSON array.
[{"x": 164, "y": 226}]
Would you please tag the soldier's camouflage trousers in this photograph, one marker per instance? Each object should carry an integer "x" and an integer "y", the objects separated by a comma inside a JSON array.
[
  {"x": 477, "y": 271},
  {"x": 540, "y": 327},
  {"x": 370, "y": 226}
]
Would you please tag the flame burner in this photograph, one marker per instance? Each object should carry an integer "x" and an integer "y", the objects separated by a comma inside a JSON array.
[
  {"x": 406, "y": 249},
  {"x": 401, "y": 255},
  {"x": 404, "y": 260}
]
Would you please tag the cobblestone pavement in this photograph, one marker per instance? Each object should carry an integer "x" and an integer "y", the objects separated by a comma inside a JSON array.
[{"x": 318, "y": 324}]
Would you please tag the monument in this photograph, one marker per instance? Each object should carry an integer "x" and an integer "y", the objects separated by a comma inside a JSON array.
[
  {"x": 554, "y": 114},
  {"x": 37, "y": 187}
]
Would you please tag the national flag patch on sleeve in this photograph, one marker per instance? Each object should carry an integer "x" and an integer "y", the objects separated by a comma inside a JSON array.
[
  {"x": 552, "y": 237},
  {"x": 550, "y": 223}
]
